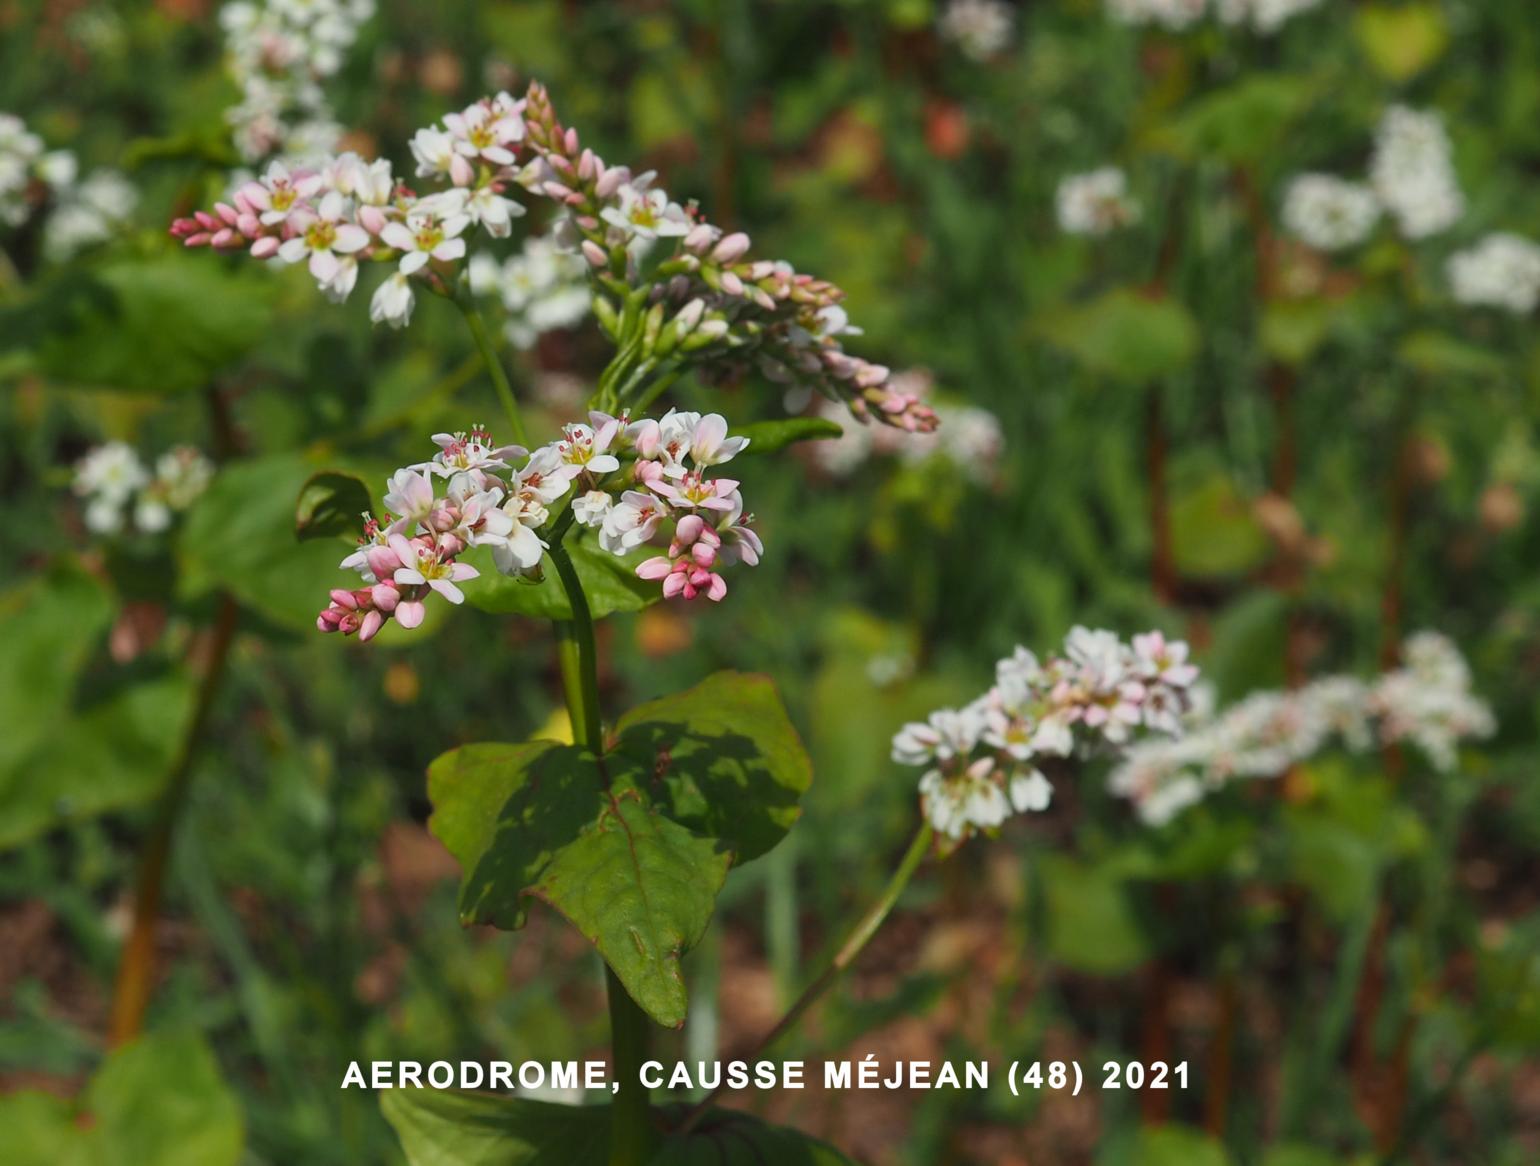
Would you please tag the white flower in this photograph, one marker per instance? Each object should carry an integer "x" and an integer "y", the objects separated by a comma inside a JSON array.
[
  {"x": 485, "y": 132},
  {"x": 646, "y": 214},
  {"x": 1265, "y": 16},
  {"x": 592, "y": 507},
  {"x": 946, "y": 734},
  {"x": 111, "y": 471},
  {"x": 965, "y": 801},
  {"x": 1329, "y": 213},
  {"x": 1175, "y": 15},
  {"x": 1413, "y": 173},
  {"x": 325, "y": 236},
  {"x": 979, "y": 28},
  {"x": 423, "y": 237},
  {"x": 631, "y": 522},
  {"x": 1501, "y": 271},
  {"x": 437, "y": 155},
  {"x": 1095, "y": 203},
  {"x": 1030, "y": 792},
  {"x": 393, "y": 301}
]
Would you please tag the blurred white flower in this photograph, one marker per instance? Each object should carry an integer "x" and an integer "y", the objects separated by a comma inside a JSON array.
[
  {"x": 1095, "y": 203},
  {"x": 1175, "y": 15},
  {"x": 979, "y": 28},
  {"x": 1264, "y": 16},
  {"x": 1501, "y": 271},
  {"x": 1413, "y": 172},
  {"x": 1329, "y": 213}
]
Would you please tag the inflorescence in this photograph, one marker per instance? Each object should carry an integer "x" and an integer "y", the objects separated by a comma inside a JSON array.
[
  {"x": 1426, "y": 702},
  {"x": 631, "y": 480},
  {"x": 980, "y": 760},
  {"x": 667, "y": 286}
]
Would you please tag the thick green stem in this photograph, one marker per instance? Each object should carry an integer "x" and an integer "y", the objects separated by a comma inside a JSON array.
[
  {"x": 478, "y": 328},
  {"x": 631, "y": 1129},
  {"x": 843, "y": 957}
]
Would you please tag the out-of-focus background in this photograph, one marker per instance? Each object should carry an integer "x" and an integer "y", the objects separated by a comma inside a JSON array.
[{"x": 1293, "y": 425}]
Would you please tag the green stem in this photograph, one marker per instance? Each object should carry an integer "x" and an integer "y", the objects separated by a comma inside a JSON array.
[
  {"x": 478, "y": 328},
  {"x": 843, "y": 957},
  {"x": 631, "y": 1129},
  {"x": 136, "y": 966}
]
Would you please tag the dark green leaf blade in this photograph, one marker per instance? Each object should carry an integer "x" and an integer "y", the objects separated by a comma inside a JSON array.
[
  {"x": 724, "y": 758},
  {"x": 330, "y": 504},
  {"x": 642, "y": 889}
]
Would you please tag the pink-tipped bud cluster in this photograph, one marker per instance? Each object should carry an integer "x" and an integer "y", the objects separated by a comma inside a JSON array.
[{"x": 686, "y": 570}]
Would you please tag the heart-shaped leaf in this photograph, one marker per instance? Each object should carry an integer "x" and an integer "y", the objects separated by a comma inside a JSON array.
[
  {"x": 725, "y": 758},
  {"x": 544, "y": 820}
]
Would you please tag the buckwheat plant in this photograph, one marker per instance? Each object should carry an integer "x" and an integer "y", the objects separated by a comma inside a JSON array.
[{"x": 629, "y": 830}]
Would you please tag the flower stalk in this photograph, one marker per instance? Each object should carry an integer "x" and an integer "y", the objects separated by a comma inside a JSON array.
[
  {"x": 136, "y": 968},
  {"x": 845, "y": 955}
]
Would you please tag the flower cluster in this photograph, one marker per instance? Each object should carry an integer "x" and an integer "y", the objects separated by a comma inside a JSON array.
[
  {"x": 632, "y": 480},
  {"x": 1501, "y": 271},
  {"x": 1174, "y": 15},
  {"x": 541, "y": 289},
  {"x": 1427, "y": 702},
  {"x": 279, "y": 54},
  {"x": 980, "y": 29},
  {"x": 81, "y": 212},
  {"x": 1262, "y": 16},
  {"x": 120, "y": 490},
  {"x": 1413, "y": 173},
  {"x": 1095, "y": 203},
  {"x": 706, "y": 298},
  {"x": 1411, "y": 177},
  {"x": 1329, "y": 213},
  {"x": 969, "y": 437},
  {"x": 980, "y": 760}
]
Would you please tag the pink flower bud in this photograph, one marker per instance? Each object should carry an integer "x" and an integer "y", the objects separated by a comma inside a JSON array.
[
  {"x": 595, "y": 254},
  {"x": 265, "y": 247},
  {"x": 731, "y": 284},
  {"x": 700, "y": 237},
  {"x": 384, "y": 596},
  {"x": 372, "y": 219},
  {"x": 367, "y": 628},
  {"x": 611, "y": 181},
  {"x": 343, "y": 598},
  {"x": 731, "y": 248},
  {"x": 227, "y": 212}
]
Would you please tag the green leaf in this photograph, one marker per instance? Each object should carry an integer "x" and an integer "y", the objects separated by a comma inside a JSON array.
[
  {"x": 51, "y": 624},
  {"x": 1091, "y": 924},
  {"x": 160, "y": 1099},
  {"x": 609, "y": 581},
  {"x": 773, "y": 436},
  {"x": 451, "y": 1128},
  {"x": 641, "y": 888},
  {"x": 1292, "y": 330},
  {"x": 1332, "y": 861},
  {"x": 1213, "y": 532},
  {"x": 727, "y": 1137},
  {"x": 165, "y": 324},
  {"x": 440, "y": 1127},
  {"x": 1297, "y": 1155},
  {"x": 1168, "y": 1145},
  {"x": 1438, "y": 354},
  {"x": 538, "y": 820},
  {"x": 118, "y": 752},
  {"x": 1401, "y": 40},
  {"x": 1241, "y": 123},
  {"x": 1125, "y": 335},
  {"x": 726, "y": 758},
  {"x": 239, "y": 535},
  {"x": 330, "y": 504}
]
